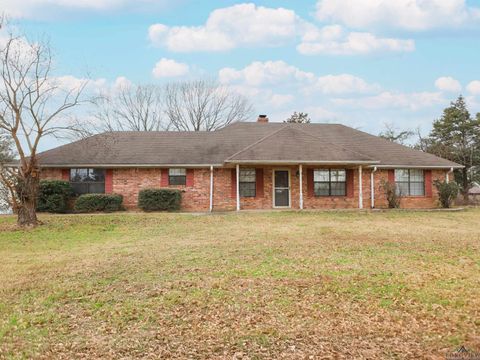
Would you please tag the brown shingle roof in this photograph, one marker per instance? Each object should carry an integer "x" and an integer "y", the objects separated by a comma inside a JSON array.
[{"x": 239, "y": 142}]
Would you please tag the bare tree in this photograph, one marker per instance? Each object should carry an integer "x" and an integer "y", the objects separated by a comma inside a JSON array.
[
  {"x": 129, "y": 108},
  {"x": 392, "y": 134},
  {"x": 203, "y": 105},
  {"x": 32, "y": 106},
  {"x": 6, "y": 156}
]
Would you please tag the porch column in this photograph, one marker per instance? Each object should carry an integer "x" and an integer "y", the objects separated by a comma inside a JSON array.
[
  {"x": 372, "y": 187},
  {"x": 211, "y": 188},
  {"x": 238, "y": 187},
  {"x": 360, "y": 188},
  {"x": 300, "y": 169}
]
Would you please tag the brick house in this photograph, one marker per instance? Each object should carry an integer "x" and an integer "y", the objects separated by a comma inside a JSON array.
[{"x": 257, "y": 165}]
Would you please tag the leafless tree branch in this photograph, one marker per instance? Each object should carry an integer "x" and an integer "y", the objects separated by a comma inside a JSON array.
[{"x": 203, "y": 105}]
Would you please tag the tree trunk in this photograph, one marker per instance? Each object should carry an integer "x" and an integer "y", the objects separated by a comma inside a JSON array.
[
  {"x": 27, "y": 195},
  {"x": 465, "y": 184}
]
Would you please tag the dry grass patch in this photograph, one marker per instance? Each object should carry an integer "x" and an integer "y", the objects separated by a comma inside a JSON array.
[{"x": 260, "y": 285}]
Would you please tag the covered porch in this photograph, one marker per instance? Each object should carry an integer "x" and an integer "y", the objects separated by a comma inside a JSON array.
[{"x": 309, "y": 185}]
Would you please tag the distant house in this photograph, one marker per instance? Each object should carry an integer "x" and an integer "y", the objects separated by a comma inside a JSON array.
[
  {"x": 474, "y": 194},
  {"x": 257, "y": 165}
]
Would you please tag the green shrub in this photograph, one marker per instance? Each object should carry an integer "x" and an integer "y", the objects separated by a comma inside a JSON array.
[
  {"x": 99, "y": 202},
  {"x": 447, "y": 192},
  {"x": 159, "y": 199},
  {"x": 392, "y": 195},
  {"x": 53, "y": 196}
]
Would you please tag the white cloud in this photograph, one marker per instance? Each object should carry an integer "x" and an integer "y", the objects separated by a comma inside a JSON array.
[
  {"x": 335, "y": 40},
  {"x": 474, "y": 87},
  {"x": 448, "y": 83},
  {"x": 343, "y": 84},
  {"x": 270, "y": 73},
  {"x": 263, "y": 73},
  {"x": 403, "y": 14},
  {"x": 387, "y": 100},
  {"x": 122, "y": 82},
  {"x": 279, "y": 100},
  {"x": 248, "y": 25},
  {"x": 45, "y": 8},
  {"x": 319, "y": 113},
  {"x": 73, "y": 83},
  {"x": 169, "y": 68},
  {"x": 226, "y": 28}
]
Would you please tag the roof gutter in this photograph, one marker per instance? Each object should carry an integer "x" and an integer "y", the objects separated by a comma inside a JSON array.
[
  {"x": 127, "y": 165},
  {"x": 419, "y": 166},
  {"x": 297, "y": 162}
]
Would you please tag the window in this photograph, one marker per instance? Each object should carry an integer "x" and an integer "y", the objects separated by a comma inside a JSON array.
[
  {"x": 330, "y": 182},
  {"x": 87, "y": 181},
  {"x": 410, "y": 182},
  {"x": 247, "y": 183},
  {"x": 177, "y": 176}
]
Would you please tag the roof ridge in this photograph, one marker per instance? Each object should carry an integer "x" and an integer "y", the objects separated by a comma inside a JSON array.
[
  {"x": 336, "y": 146},
  {"x": 258, "y": 141}
]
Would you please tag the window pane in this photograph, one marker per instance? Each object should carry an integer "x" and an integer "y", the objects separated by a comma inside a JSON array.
[
  {"x": 337, "y": 175},
  {"x": 402, "y": 188},
  {"x": 247, "y": 189},
  {"x": 338, "y": 189},
  {"x": 401, "y": 175},
  {"x": 177, "y": 180},
  {"x": 78, "y": 175},
  {"x": 177, "y": 172},
  {"x": 321, "y": 175},
  {"x": 96, "y": 188},
  {"x": 321, "y": 189},
  {"x": 247, "y": 175},
  {"x": 416, "y": 175},
  {"x": 97, "y": 175},
  {"x": 417, "y": 188},
  {"x": 80, "y": 188}
]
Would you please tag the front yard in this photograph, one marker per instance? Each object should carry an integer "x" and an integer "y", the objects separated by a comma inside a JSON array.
[{"x": 258, "y": 285}]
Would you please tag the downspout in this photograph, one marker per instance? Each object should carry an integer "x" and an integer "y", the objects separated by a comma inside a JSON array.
[
  {"x": 238, "y": 187},
  {"x": 360, "y": 188},
  {"x": 447, "y": 179},
  {"x": 300, "y": 169},
  {"x": 372, "y": 187},
  {"x": 211, "y": 188}
]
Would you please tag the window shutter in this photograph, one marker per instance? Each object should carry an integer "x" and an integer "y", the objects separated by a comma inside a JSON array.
[
  {"x": 66, "y": 174},
  {"x": 350, "y": 182},
  {"x": 189, "y": 180},
  {"x": 391, "y": 176},
  {"x": 428, "y": 183},
  {"x": 108, "y": 181},
  {"x": 310, "y": 189},
  {"x": 234, "y": 183},
  {"x": 259, "y": 182},
  {"x": 164, "y": 178}
]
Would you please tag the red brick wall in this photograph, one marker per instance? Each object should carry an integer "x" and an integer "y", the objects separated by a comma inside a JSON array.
[
  {"x": 52, "y": 174},
  {"x": 409, "y": 202},
  {"x": 128, "y": 182}
]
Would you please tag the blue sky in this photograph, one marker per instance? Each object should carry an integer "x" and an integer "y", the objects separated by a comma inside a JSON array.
[{"x": 362, "y": 63}]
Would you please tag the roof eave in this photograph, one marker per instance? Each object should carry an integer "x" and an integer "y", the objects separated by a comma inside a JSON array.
[
  {"x": 304, "y": 162},
  {"x": 404, "y": 166},
  {"x": 113, "y": 166}
]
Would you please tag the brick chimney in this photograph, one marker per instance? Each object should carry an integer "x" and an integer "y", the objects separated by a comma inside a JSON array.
[{"x": 262, "y": 119}]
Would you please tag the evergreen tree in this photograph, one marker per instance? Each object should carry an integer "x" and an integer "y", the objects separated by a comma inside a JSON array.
[
  {"x": 298, "y": 118},
  {"x": 456, "y": 136}
]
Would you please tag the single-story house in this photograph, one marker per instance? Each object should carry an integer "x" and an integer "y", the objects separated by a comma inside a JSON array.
[{"x": 251, "y": 165}]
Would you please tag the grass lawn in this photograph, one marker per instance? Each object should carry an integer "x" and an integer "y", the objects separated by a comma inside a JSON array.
[{"x": 262, "y": 285}]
